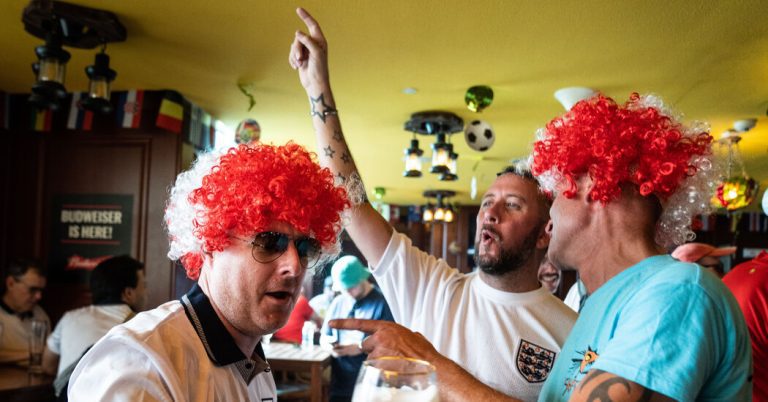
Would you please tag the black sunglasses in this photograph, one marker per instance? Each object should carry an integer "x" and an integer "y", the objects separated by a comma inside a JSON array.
[{"x": 269, "y": 246}]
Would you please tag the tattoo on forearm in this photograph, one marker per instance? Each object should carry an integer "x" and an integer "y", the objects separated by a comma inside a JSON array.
[
  {"x": 320, "y": 108},
  {"x": 345, "y": 157},
  {"x": 338, "y": 136},
  {"x": 329, "y": 151}
]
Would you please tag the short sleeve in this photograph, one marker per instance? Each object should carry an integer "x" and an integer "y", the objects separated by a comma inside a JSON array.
[
  {"x": 664, "y": 340},
  {"x": 96, "y": 378}
]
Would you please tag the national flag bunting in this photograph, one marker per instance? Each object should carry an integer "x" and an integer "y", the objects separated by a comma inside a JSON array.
[
  {"x": 129, "y": 107},
  {"x": 79, "y": 118},
  {"x": 41, "y": 119},
  {"x": 170, "y": 115}
]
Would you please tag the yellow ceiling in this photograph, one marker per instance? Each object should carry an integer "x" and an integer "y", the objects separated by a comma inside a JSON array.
[{"x": 709, "y": 59}]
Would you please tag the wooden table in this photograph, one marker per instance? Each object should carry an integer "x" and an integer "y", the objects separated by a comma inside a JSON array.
[
  {"x": 16, "y": 384},
  {"x": 292, "y": 357}
]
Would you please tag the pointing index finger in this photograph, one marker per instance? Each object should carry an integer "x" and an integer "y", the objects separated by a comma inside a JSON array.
[
  {"x": 368, "y": 326},
  {"x": 312, "y": 25}
]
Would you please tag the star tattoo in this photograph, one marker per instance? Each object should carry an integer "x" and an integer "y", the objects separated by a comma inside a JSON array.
[
  {"x": 320, "y": 108},
  {"x": 346, "y": 158},
  {"x": 329, "y": 151},
  {"x": 337, "y": 136}
]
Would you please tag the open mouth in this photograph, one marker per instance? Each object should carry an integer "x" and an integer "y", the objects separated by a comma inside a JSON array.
[
  {"x": 280, "y": 295},
  {"x": 487, "y": 236}
]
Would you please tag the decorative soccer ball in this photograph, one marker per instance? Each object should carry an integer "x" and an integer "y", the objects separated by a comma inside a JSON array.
[
  {"x": 479, "y": 135},
  {"x": 247, "y": 131}
]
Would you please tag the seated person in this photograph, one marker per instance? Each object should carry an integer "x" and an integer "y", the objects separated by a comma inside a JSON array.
[
  {"x": 118, "y": 292},
  {"x": 358, "y": 299},
  {"x": 24, "y": 285},
  {"x": 291, "y": 331}
]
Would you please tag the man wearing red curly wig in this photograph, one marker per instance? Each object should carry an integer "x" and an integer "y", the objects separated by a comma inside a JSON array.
[
  {"x": 627, "y": 180},
  {"x": 247, "y": 224}
]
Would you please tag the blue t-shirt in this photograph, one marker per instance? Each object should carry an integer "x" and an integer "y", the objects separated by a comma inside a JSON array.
[
  {"x": 666, "y": 325},
  {"x": 344, "y": 369}
]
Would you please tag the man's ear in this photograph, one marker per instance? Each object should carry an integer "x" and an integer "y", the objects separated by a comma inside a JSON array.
[
  {"x": 129, "y": 295},
  {"x": 9, "y": 282},
  {"x": 545, "y": 236}
]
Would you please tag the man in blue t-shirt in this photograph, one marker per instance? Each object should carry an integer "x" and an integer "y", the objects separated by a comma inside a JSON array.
[
  {"x": 358, "y": 299},
  {"x": 627, "y": 179}
]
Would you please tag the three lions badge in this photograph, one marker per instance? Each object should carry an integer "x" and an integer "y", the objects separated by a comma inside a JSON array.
[{"x": 534, "y": 362}]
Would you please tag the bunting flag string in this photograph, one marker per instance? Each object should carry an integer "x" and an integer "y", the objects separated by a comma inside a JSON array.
[
  {"x": 171, "y": 114},
  {"x": 79, "y": 118},
  {"x": 41, "y": 119},
  {"x": 129, "y": 107}
]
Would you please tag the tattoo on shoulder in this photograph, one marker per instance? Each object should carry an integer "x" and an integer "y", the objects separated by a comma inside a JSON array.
[
  {"x": 338, "y": 136},
  {"x": 320, "y": 108},
  {"x": 329, "y": 151},
  {"x": 345, "y": 157},
  {"x": 605, "y": 382}
]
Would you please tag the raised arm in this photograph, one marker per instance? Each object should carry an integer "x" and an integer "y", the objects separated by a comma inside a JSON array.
[
  {"x": 309, "y": 56},
  {"x": 390, "y": 339}
]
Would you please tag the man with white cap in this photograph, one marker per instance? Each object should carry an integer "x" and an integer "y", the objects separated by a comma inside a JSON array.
[{"x": 358, "y": 299}]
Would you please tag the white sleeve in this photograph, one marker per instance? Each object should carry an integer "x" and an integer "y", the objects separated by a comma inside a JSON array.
[
  {"x": 117, "y": 371},
  {"x": 54, "y": 339},
  {"x": 412, "y": 281}
]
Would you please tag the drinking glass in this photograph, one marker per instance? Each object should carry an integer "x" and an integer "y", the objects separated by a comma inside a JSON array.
[
  {"x": 39, "y": 330},
  {"x": 396, "y": 379}
]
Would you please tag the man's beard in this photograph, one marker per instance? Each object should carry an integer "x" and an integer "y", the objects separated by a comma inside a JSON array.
[{"x": 509, "y": 260}]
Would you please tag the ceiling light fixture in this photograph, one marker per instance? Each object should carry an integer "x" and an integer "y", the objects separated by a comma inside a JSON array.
[
  {"x": 736, "y": 190},
  {"x": 63, "y": 24},
  {"x": 572, "y": 95},
  {"x": 413, "y": 159},
  {"x": 440, "y": 124},
  {"x": 442, "y": 211},
  {"x": 101, "y": 77}
]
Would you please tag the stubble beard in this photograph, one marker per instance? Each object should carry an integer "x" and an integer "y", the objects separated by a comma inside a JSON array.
[{"x": 509, "y": 260}]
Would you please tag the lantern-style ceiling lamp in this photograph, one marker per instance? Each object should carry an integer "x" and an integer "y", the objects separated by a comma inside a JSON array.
[
  {"x": 413, "y": 159},
  {"x": 101, "y": 77},
  {"x": 442, "y": 211},
  {"x": 451, "y": 174},
  {"x": 64, "y": 24},
  {"x": 50, "y": 70},
  {"x": 736, "y": 190},
  {"x": 440, "y": 124}
]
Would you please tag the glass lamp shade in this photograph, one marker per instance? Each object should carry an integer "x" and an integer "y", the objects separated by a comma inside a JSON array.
[
  {"x": 451, "y": 175},
  {"x": 440, "y": 155},
  {"x": 428, "y": 215},
  {"x": 735, "y": 193},
  {"x": 99, "y": 90},
  {"x": 439, "y": 214},
  {"x": 413, "y": 160},
  {"x": 448, "y": 217},
  {"x": 50, "y": 70}
]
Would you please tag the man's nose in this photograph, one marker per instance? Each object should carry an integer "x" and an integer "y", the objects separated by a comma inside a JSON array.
[{"x": 290, "y": 262}]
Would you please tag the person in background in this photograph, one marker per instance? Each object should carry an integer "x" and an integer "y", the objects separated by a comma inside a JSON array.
[
  {"x": 321, "y": 302},
  {"x": 748, "y": 282},
  {"x": 549, "y": 275},
  {"x": 24, "y": 283},
  {"x": 247, "y": 224},
  {"x": 358, "y": 298},
  {"x": 705, "y": 255},
  {"x": 469, "y": 318},
  {"x": 118, "y": 292},
  {"x": 291, "y": 331}
]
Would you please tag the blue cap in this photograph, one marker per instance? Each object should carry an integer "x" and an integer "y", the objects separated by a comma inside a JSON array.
[{"x": 348, "y": 272}]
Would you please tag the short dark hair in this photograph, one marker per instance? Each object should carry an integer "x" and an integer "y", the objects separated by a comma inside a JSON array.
[
  {"x": 18, "y": 267},
  {"x": 112, "y": 276},
  {"x": 521, "y": 169}
]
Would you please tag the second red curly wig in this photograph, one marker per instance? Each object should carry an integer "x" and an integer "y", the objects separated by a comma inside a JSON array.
[{"x": 617, "y": 144}]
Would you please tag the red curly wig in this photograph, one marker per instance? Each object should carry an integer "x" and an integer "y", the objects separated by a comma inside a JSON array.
[
  {"x": 250, "y": 187},
  {"x": 613, "y": 144}
]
